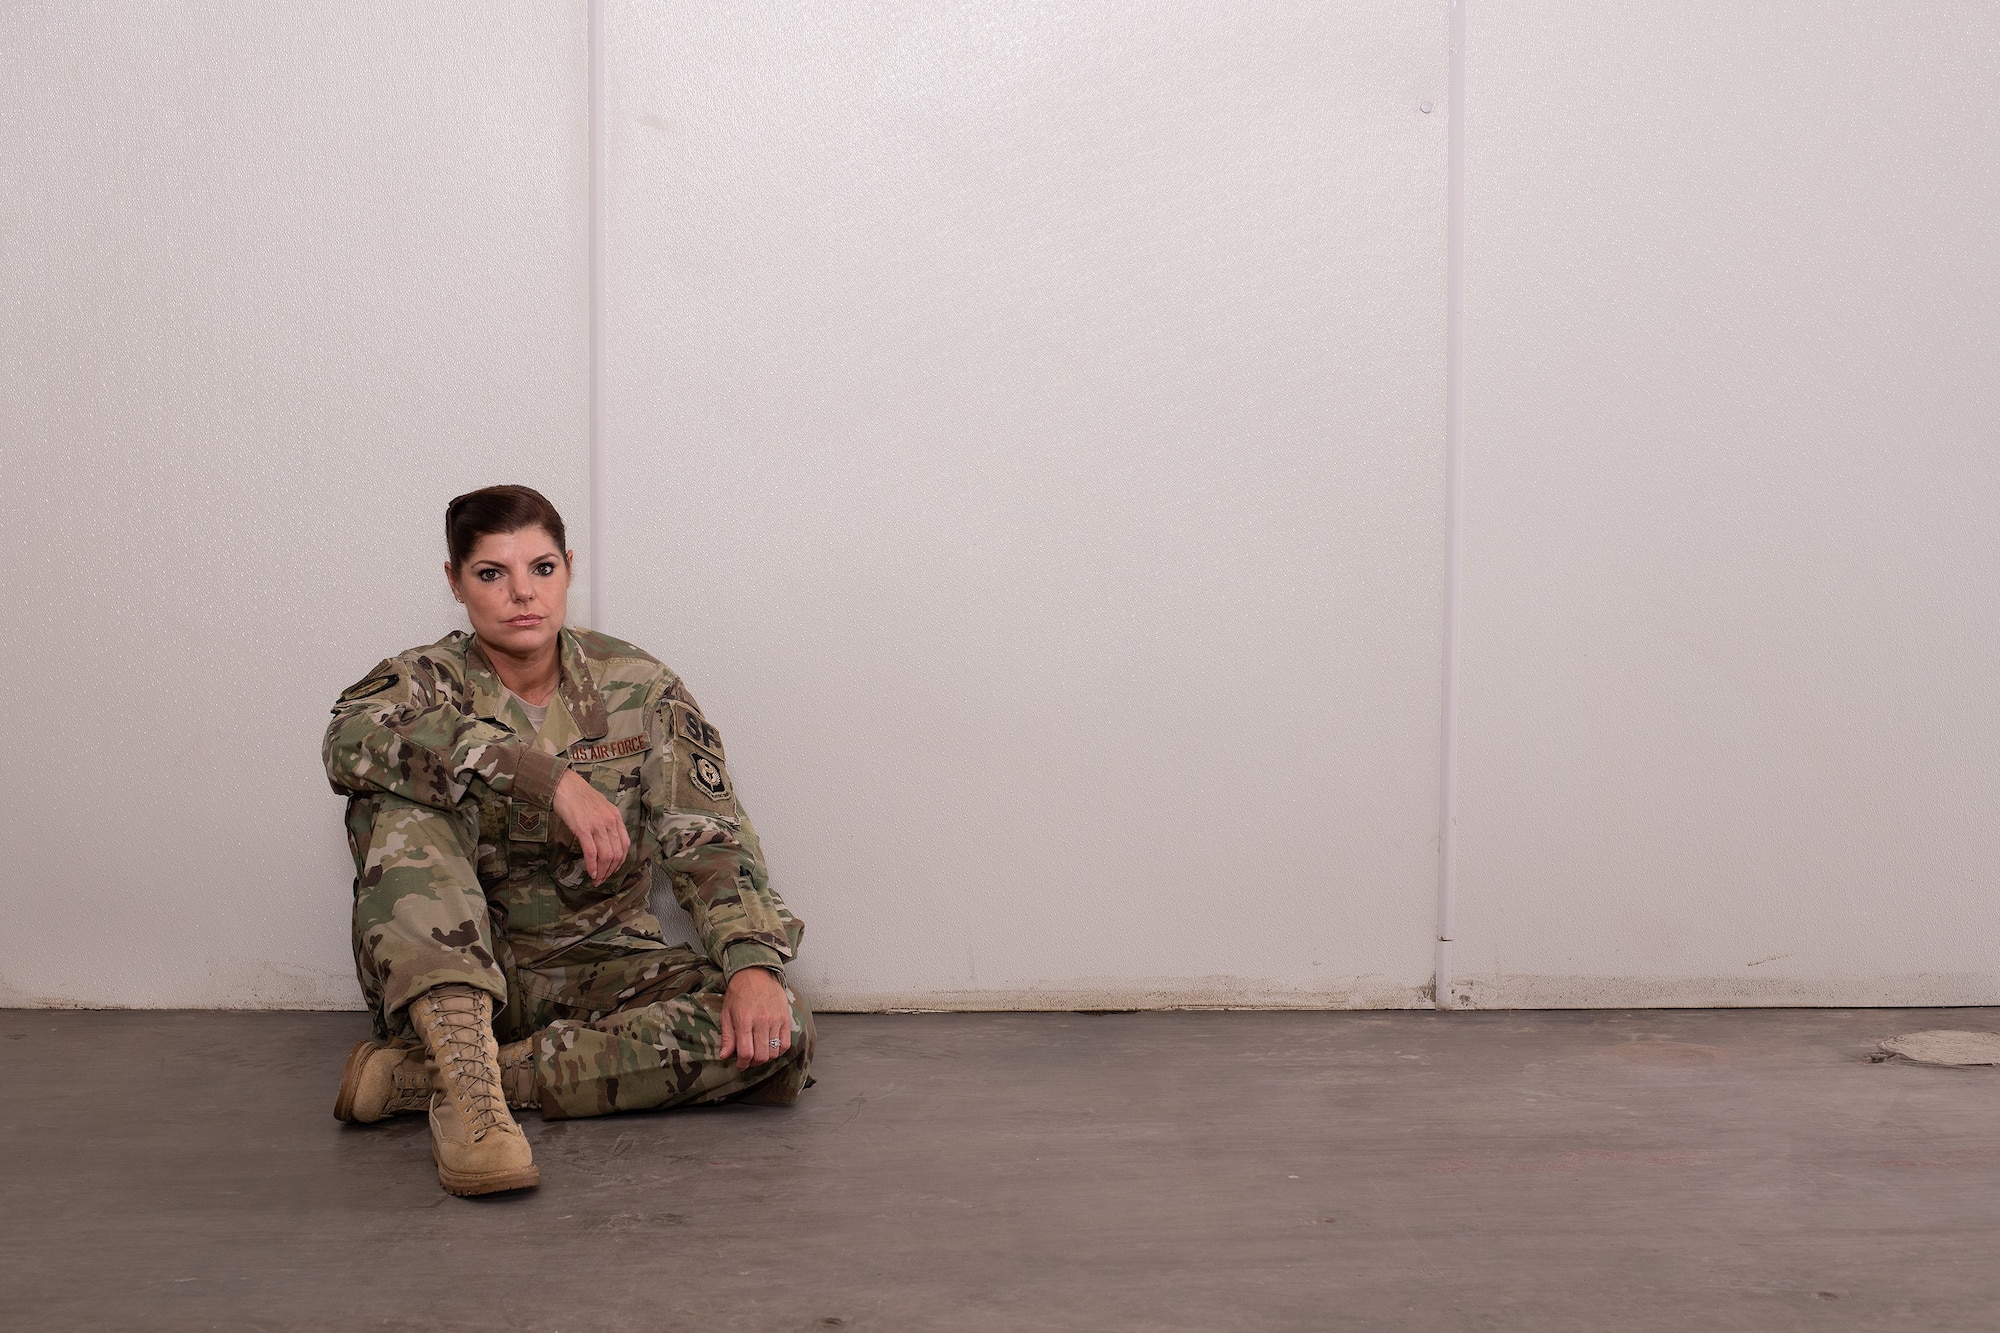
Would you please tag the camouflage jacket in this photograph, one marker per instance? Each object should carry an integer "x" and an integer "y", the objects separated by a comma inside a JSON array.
[{"x": 435, "y": 726}]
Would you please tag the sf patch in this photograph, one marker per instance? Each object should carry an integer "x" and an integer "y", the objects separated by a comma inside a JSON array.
[
  {"x": 707, "y": 775},
  {"x": 696, "y": 728}
]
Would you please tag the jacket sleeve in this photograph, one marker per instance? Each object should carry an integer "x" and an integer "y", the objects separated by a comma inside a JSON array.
[
  {"x": 711, "y": 858},
  {"x": 401, "y": 731}
]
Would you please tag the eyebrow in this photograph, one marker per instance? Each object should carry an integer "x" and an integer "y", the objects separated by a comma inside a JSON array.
[{"x": 495, "y": 564}]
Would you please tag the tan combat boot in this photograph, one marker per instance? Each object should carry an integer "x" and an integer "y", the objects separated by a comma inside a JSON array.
[
  {"x": 382, "y": 1080},
  {"x": 517, "y": 1075},
  {"x": 478, "y": 1147}
]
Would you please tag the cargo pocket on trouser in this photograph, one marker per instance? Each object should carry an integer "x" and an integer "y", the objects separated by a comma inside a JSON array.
[
  {"x": 584, "y": 1071},
  {"x": 580, "y": 1006},
  {"x": 663, "y": 1053},
  {"x": 594, "y": 979}
]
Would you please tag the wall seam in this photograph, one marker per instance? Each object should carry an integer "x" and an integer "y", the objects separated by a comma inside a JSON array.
[
  {"x": 594, "y": 456},
  {"x": 1454, "y": 392}
]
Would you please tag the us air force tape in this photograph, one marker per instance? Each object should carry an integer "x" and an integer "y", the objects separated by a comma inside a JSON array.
[{"x": 603, "y": 750}]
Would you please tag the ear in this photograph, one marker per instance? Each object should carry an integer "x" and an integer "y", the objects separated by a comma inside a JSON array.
[{"x": 451, "y": 582}]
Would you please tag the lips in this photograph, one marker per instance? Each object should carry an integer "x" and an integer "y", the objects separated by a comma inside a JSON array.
[{"x": 526, "y": 622}]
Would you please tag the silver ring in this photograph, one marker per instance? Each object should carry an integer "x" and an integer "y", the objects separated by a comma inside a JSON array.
[{"x": 775, "y": 1043}]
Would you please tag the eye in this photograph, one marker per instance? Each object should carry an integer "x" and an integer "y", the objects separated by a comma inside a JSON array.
[
  {"x": 546, "y": 568},
  {"x": 488, "y": 574}
]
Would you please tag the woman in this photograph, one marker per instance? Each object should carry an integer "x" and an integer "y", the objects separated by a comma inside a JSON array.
[{"x": 512, "y": 795}]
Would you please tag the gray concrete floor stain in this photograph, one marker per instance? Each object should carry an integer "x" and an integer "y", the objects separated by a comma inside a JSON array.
[{"x": 1655, "y": 1170}]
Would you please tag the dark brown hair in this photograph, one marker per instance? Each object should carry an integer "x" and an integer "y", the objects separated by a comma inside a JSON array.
[{"x": 492, "y": 509}]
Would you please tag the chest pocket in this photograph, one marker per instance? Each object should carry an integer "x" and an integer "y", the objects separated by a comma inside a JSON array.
[
  {"x": 615, "y": 768},
  {"x": 701, "y": 778}
]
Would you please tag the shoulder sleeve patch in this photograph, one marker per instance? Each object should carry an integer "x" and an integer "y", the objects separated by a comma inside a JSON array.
[
  {"x": 374, "y": 683},
  {"x": 707, "y": 775},
  {"x": 698, "y": 729}
]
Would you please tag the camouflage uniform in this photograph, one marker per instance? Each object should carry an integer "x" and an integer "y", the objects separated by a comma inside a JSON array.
[{"x": 465, "y": 874}]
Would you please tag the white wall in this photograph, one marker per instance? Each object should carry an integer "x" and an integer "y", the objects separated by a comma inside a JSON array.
[
  {"x": 1731, "y": 477},
  {"x": 1024, "y": 424},
  {"x": 275, "y": 282},
  {"x": 1028, "y": 425}
]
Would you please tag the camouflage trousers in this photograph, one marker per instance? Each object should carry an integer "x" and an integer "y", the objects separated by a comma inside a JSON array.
[{"x": 619, "y": 1024}]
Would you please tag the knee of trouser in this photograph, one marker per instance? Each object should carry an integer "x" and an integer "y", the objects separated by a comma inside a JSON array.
[
  {"x": 780, "y": 1082},
  {"x": 456, "y": 829}
]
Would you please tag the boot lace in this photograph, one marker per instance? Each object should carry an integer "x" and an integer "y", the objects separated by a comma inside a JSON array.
[{"x": 471, "y": 1073}]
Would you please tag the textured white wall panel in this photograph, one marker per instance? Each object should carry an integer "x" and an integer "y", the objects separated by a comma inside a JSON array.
[
  {"x": 1025, "y": 432},
  {"x": 1024, "y": 429},
  {"x": 1731, "y": 478},
  {"x": 275, "y": 282}
]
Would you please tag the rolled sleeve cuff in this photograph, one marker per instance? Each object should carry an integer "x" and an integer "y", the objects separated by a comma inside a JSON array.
[
  {"x": 536, "y": 776},
  {"x": 750, "y": 953}
]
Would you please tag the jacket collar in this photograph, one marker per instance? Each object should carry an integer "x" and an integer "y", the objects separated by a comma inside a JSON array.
[
  {"x": 579, "y": 690},
  {"x": 576, "y": 691}
]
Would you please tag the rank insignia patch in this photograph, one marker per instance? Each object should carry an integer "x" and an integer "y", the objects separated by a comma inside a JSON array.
[
  {"x": 527, "y": 823},
  {"x": 705, "y": 772}
]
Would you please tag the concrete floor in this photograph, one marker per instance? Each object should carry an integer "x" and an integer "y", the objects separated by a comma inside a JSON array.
[{"x": 1683, "y": 1170}]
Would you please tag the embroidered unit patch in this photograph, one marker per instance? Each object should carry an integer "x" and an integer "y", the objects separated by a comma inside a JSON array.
[
  {"x": 372, "y": 686},
  {"x": 705, "y": 772},
  {"x": 592, "y": 754}
]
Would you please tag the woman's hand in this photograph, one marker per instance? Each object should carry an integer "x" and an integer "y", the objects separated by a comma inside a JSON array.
[
  {"x": 599, "y": 828},
  {"x": 756, "y": 1018}
]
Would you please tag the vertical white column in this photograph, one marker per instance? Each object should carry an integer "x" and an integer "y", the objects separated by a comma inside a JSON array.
[
  {"x": 594, "y": 550},
  {"x": 1454, "y": 373}
]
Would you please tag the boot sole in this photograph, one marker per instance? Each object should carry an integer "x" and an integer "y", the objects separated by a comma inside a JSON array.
[
  {"x": 463, "y": 1183},
  {"x": 350, "y": 1080}
]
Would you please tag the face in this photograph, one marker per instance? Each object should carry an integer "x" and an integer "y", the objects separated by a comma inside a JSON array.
[{"x": 515, "y": 589}]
